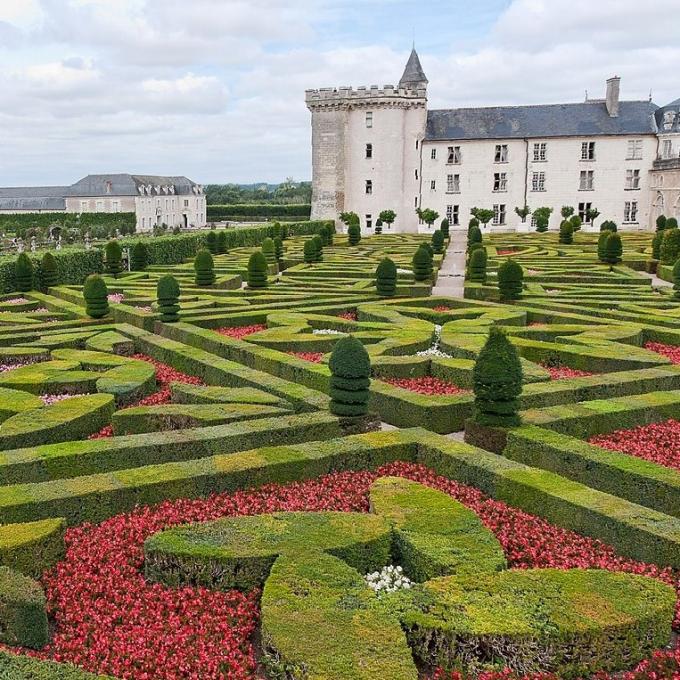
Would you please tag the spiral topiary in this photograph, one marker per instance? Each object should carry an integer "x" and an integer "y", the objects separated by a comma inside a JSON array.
[
  {"x": 325, "y": 237},
  {"x": 670, "y": 246},
  {"x": 269, "y": 251},
  {"x": 96, "y": 294},
  {"x": 139, "y": 256},
  {"x": 257, "y": 271},
  {"x": 167, "y": 293},
  {"x": 438, "y": 242},
  {"x": 350, "y": 378},
  {"x": 422, "y": 264},
  {"x": 204, "y": 268},
  {"x": 386, "y": 278},
  {"x": 477, "y": 266},
  {"x": 613, "y": 248},
  {"x": 278, "y": 248},
  {"x": 23, "y": 273},
  {"x": 276, "y": 230},
  {"x": 354, "y": 234},
  {"x": 222, "y": 242},
  {"x": 510, "y": 280},
  {"x": 49, "y": 273},
  {"x": 566, "y": 236},
  {"x": 113, "y": 264},
  {"x": 211, "y": 242}
]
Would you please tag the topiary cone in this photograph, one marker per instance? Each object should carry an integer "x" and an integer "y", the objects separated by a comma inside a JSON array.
[
  {"x": 23, "y": 273},
  {"x": 386, "y": 278},
  {"x": 49, "y": 273},
  {"x": 204, "y": 268},
  {"x": 139, "y": 257},
  {"x": 96, "y": 294},
  {"x": 167, "y": 293},
  {"x": 257, "y": 271},
  {"x": 510, "y": 280},
  {"x": 350, "y": 368},
  {"x": 477, "y": 265},
  {"x": 422, "y": 264},
  {"x": 269, "y": 250}
]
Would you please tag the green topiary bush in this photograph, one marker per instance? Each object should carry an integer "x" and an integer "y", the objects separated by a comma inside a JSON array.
[
  {"x": 510, "y": 280},
  {"x": 23, "y": 273},
  {"x": 113, "y": 260},
  {"x": 221, "y": 242},
  {"x": 497, "y": 382},
  {"x": 139, "y": 256},
  {"x": 96, "y": 294},
  {"x": 204, "y": 268},
  {"x": 660, "y": 222},
  {"x": 438, "y": 242},
  {"x": 670, "y": 246},
  {"x": 676, "y": 279},
  {"x": 278, "y": 249},
  {"x": 656, "y": 245},
  {"x": 350, "y": 368},
  {"x": 601, "y": 245},
  {"x": 422, "y": 264},
  {"x": 609, "y": 225},
  {"x": 477, "y": 265},
  {"x": 269, "y": 251},
  {"x": 167, "y": 294},
  {"x": 613, "y": 248},
  {"x": 325, "y": 235},
  {"x": 386, "y": 278},
  {"x": 576, "y": 222},
  {"x": 211, "y": 242},
  {"x": 566, "y": 236},
  {"x": 318, "y": 248},
  {"x": 671, "y": 223},
  {"x": 444, "y": 228},
  {"x": 378, "y": 226},
  {"x": 49, "y": 274},
  {"x": 474, "y": 235},
  {"x": 354, "y": 234},
  {"x": 309, "y": 252},
  {"x": 257, "y": 271},
  {"x": 23, "y": 617}
]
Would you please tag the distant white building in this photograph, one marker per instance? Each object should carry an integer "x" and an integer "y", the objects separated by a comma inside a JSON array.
[
  {"x": 380, "y": 148},
  {"x": 155, "y": 199}
]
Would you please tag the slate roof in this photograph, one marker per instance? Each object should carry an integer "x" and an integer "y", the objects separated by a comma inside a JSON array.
[
  {"x": 660, "y": 115},
  {"x": 33, "y": 198},
  {"x": 414, "y": 75},
  {"x": 126, "y": 185},
  {"x": 585, "y": 119}
]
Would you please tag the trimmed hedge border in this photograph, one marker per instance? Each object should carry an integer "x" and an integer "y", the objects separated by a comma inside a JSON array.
[{"x": 14, "y": 667}]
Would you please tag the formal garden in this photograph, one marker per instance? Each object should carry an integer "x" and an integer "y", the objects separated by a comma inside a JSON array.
[{"x": 278, "y": 452}]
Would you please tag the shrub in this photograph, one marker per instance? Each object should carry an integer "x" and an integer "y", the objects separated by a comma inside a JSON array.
[
  {"x": 670, "y": 246},
  {"x": 139, "y": 256},
  {"x": 23, "y": 618},
  {"x": 96, "y": 293},
  {"x": 660, "y": 222},
  {"x": 386, "y": 278},
  {"x": 278, "y": 248},
  {"x": 608, "y": 225},
  {"x": 387, "y": 217},
  {"x": 276, "y": 230},
  {"x": 211, "y": 242},
  {"x": 204, "y": 266},
  {"x": 438, "y": 241},
  {"x": 269, "y": 251},
  {"x": 444, "y": 228},
  {"x": 167, "y": 293},
  {"x": 422, "y": 264},
  {"x": 510, "y": 280},
  {"x": 378, "y": 226},
  {"x": 474, "y": 235},
  {"x": 671, "y": 223},
  {"x": 318, "y": 248},
  {"x": 325, "y": 235},
  {"x": 257, "y": 271},
  {"x": 601, "y": 245},
  {"x": 656, "y": 244},
  {"x": 113, "y": 258},
  {"x": 330, "y": 234},
  {"x": 474, "y": 222},
  {"x": 477, "y": 265},
  {"x": 222, "y": 242},
  {"x": 350, "y": 378},
  {"x": 542, "y": 216},
  {"x": 497, "y": 382},
  {"x": 576, "y": 222},
  {"x": 676, "y": 278},
  {"x": 613, "y": 248},
  {"x": 354, "y": 234},
  {"x": 566, "y": 233},
  {"x": 231, "y": 211},
  {"x": 309, "y": 251},
  {"x": 49, "y": 274},
  {"x": 23, "y": 273}
]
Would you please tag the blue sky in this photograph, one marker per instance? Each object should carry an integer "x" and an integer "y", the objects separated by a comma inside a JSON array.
[{"x": 214, "y": 89}]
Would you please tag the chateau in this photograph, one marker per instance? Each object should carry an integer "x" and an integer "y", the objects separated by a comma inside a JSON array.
[
  {"x": 155, "y": 200},
  {"x": 381, "y": 148}
]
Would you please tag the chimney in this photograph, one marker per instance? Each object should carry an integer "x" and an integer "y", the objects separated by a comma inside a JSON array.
[{"x": 613, "y": 96}]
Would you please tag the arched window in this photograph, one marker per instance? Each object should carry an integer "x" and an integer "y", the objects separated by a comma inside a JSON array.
[{"x": 658, "y": 204}]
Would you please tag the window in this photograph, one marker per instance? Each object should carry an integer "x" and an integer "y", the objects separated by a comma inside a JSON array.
[
  {"x": 586, "y": 182},
  {"x": 186, "y": 202},
  {"x": 369, "y": 186},
  {"x": 499, "y": 213},
  {"x": 433, "y": 154},
  {"x": 501, "y": 155},
  {"x": 667, "y": 148},
  {"x": 500, "y": 181},
  {"x": 634, "y": 149},
  {"x": 433, "y": 185},
  {"x": 540, "y": 152},
  {"x": 369, "y": 221},
  {"x": 416, "y": 144},
  {"x": 534, "y": 223},
  {"x": 583, "y": 209},
  {"x": 369, "y": 150},
  {"x": 452, "y": 184},
  {"x": 630, "y": 211},
  {"x": 416, "y": 173},
  {"x": 632, "y": 179},
  {"x": 538, "y": 181},
  {"x": 587, "y": 151},
  {"x": 115, "y": 206},
  {"x": 100, "y": 206},
  {"x": 453, "y": 214},
  {"x": 84, "y": 206},
  {"x": 454, "y": 155},
  {"x": 415, "y": 201},
  {"x": 369, "y": 119}
]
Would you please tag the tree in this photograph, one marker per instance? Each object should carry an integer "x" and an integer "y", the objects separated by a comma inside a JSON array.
[
  {"x": 523, "y": 213},
  {"x": 601, "y": 246},
  {"x": 484, "y": 216},
  {"x": 566, "y": 233},
  {"x": 591, "y": 215},
  {"x": 23, "y": 273},
  {"x": 676, "y": 279},
  {"x": 444, "y": 228},
  {"x": 139, "y": 256},
  {"x": 656, "y": 245},
  {"x": 49, "y": 273},
  {"x": 387, "y": 217},
  {"x": 567, "y": 211},
  {"x": 386, "y": 278},
  {"x": 96, "y": 297},
  {"x": 278, "y": 249},
  {"x": 257, "y": 271},
  {"x": 510, "y": 280},
  {"x": 268, "y": 250},
  {"x": 608, "y": 225},
  {"x": 613, "y": 248},
  {"x": 349, "y": 218},
  {"x": 354, "y": 234},
  {"x": 438, "y": 242},
  {"x": 114, "y": 258},
  {"x": 670, "y": 246},
  {"x": 422, "y": 264},
  {"x": 576, "y": 222},
  {"x": 427, "y": 215},
  {"x": 167, "y": 295},
  {"x": 497, "y": 381},
  {"x": 211, "y": 242},
  {"x": 660, "y": 222},
  {"x": 222, "y": 242},
  {"x": 542, "y": 217},
  {"x": 204, "y": 267},
  {"x": 477, "y": 266},
  {"x": 350, "y": 368},
  {"x": 309, "y": 252}
]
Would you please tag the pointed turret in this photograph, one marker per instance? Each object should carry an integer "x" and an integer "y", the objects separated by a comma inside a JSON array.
[{"x": 414, "y": 76}]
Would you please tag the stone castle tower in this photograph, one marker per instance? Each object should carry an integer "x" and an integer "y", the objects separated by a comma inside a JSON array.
[{"x": 365, "y": 148}]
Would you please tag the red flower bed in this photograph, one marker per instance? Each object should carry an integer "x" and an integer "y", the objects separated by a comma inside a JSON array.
[
  {"x": 506, "y": 252},
  {"x": 426, "y": 385},
  {"x": 348, "y": 316},
  {"x": 561, "y": 372},
  {"x": 108, "y": 619},
  {"x": 441, "y": 308},
  {"x": 240, "y": 332},
  {"x": 658, "y": 442},
  {"x": 314, "y": 357},
  {"x": 670, "y": 351}
]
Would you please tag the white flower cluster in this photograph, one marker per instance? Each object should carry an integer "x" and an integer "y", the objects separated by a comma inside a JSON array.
[
  {"x": 404, "y": 271},
  {"x": 388, "y": 580},
  {"x": 434, "y": 351},
  {"x": 325, "y": 331}
]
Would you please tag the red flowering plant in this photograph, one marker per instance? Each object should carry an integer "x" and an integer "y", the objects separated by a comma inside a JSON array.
[
  {"x": 240, "y": 332},
  {"x": 314, "y": 357},
  {"x": 427, "y": 385},
  {"x": 348, "y": 316},
  {"x": 562, "y": 372},
  {"x": 670, "y": 351}
]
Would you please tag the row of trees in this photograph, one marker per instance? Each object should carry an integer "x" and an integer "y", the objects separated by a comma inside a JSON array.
[{"x": 289, "y": 191}]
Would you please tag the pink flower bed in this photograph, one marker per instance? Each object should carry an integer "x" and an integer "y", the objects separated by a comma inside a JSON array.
[
  {"x": 314, "y": 357},
  {"x": 348, "y": 316},
  {"x": 109, "y": 619},
  {"x": 14, "y": 301},
  {"x": 240, "y": 332},
  {"x": 49, "y": 399},
  {"x": 506, "y": 252},
  {"x": 441, "y": 308},
  {"x": 562, "y": 372},
  {"x": 426, "y": 385},
  {"x": 658, "y": 442},
  {"x": 670, "y": 351},
  {"x": 115, "y": 297}
]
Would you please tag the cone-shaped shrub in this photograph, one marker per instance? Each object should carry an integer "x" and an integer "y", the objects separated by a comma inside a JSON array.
[
  {"x": 113, "y": 264},
  {"x": 510, "y": 280},
  {"x": 497, "y": 381},
  {"x": 204, "y": 267},
  {"x": 422, "y": 264},
  {"x": 386, "y": 278},
  {"x": 656, "y": 245},
  {"x": 330, "y": 233},
  {"x": 660, "y": 222},
  {"x": 354, "y": 234},
  {"x": 96, "y": 294},
  {"x": 670, "y": 246},
  {"x": 576, "y": 222},
  {"x": 211, "y": 242},
  {"x": 257, "y": 270},
  {"x": 221, "y": 242},
  {"x": 278, "y": 248},
  {"x": 167, "y": 292},
  {"x": 269, "y": 251},
  {"x": 323, "y": 233},
  {"x": 350, "y": 378},
  {"x": 613, "y": 248},
  {"x": 474, "y": 222},
  {"x": 602, "y": 245},
  {"x": 566, "y": 233},
  {"x": 309, "y": 251},
  {"x": 23, "y": 273},
  {"x": 438, "y": 241},
  {"x": 378, "y": 226},
  {"x": 49, "y": 274},
  {"x": 474, "y": 236},
  {"x": 139, "y": 256},
  {"x": 676, "y": 279},
  {"x": 276, "y": 230},
  {"x": 444, "y": 228},
  {"x": 318, "y": 248},
  {"x": 477, "y": 265},
  {"x": 671, "y": 223},
  {"x": 284, "y": 231}
]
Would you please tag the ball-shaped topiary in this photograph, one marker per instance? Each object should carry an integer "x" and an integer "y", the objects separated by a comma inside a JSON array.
[
  {"x": 222, "y": 242},
  {"x": 96, "y": 294},
  {"x": 609, "y": 225},
  {"x": 497, "y": 382},
  {"x": 354, "y": 234},
  {"x": 422, "y": 264},
  {"x": 671, "y": 223},
  {"x": 167, "y": 293},
  {"x": 318, "y": 248},
  {"x": 204, "y": 268},
  {"x": 576, "y": 222},
  {"x": 477, "y": 265},
  {"x": 139, "y": 256},
  {"x": 566, "y": 236},
  {"x": 602, "y": 245},
  {"x": 676, "y": 279},
  {"x": 49, "y": 273},
  {"x": 211, "y": 242},
  {"x": 510, "y": 280},
  {"x": 444, "y": 228},
  {"x": 660, "y": 222},
  {"x": 269, "y": 251},
  {"x": 386, "y": 278},
  {"x": 350, "y": 368},
  {"x": 257, "y": 271},
  {"x": 113, "y": 263},
  {"x": 23, "y": 273},
  {"x": 670, "y": 246},
  {"x": 438, "y": 241},
  {"x": 278, "y": 248},
  {"x": 613, "y": 248}
]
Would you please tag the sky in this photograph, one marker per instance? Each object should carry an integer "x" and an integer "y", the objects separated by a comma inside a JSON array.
[{"x": 214, "y": 89}]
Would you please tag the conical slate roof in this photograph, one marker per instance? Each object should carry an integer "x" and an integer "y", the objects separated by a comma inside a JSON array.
[{"x": 414, "y": 76}]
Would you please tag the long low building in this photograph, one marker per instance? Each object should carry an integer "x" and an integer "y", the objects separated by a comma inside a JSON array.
[{"x": 155, "y": 199}]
